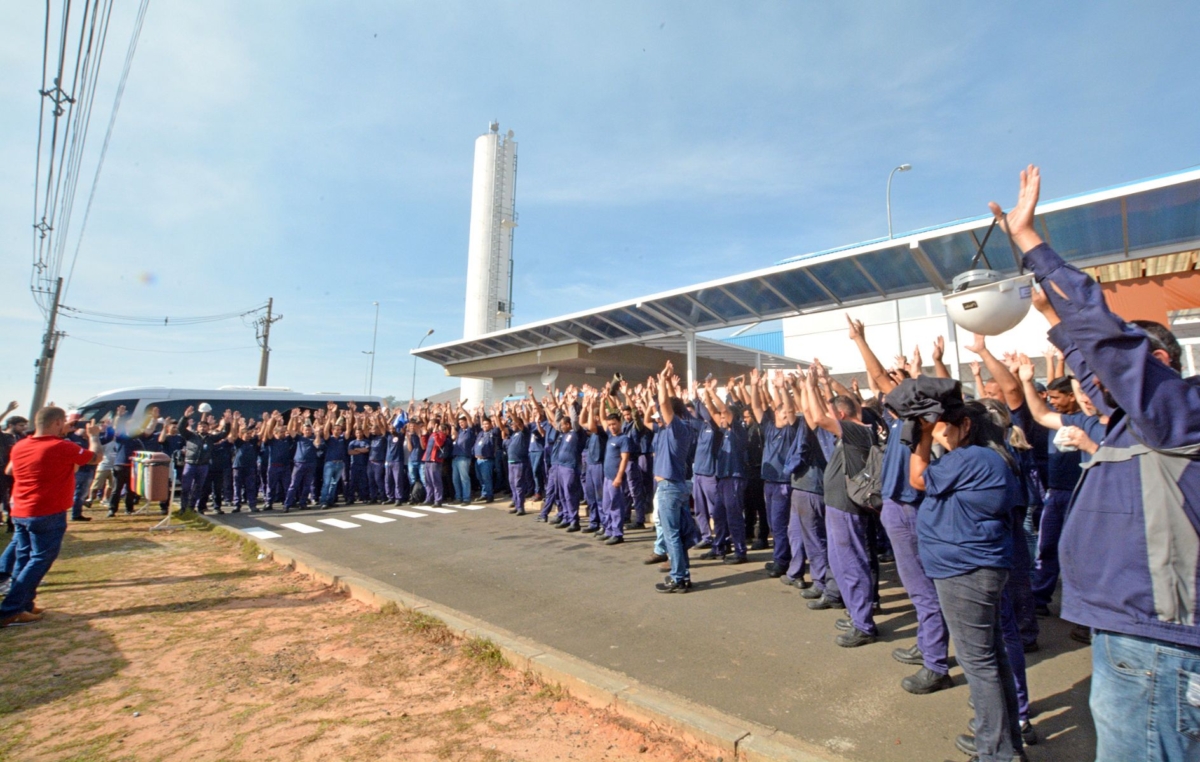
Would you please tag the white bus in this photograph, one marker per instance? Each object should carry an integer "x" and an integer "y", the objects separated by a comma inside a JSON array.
[{"x": 250, "y": 401}]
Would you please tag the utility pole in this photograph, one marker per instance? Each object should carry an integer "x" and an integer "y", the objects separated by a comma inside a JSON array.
[
  {"x": 374, "y": 336},
  {"x": 262, "y": 332},
  {"x": 45, "y": 364}
]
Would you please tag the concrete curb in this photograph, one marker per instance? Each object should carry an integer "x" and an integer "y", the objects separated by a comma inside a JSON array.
[{"x": 592, "y": 684}]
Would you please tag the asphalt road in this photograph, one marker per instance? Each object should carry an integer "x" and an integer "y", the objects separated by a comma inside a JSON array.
[{"x": 740, "y": 641}]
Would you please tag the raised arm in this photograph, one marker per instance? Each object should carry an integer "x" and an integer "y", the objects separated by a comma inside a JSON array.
[
  {"x": 1041, "y": 412},
  {"x": 875, "y": 371},
  {"x": 1010, "y": 387},
  {"x": 939, "y": 350},
  {"x": 819, "y": 412}
]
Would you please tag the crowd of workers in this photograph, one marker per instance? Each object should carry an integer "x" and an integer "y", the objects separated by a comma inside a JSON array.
[{"x": 982, "y": 503}]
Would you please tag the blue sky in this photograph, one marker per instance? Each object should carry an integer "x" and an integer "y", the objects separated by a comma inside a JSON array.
[{"x": 321, "y": 154}]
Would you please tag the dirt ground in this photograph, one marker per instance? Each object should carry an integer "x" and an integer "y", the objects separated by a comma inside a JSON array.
[{"x": 186, "y": 646}]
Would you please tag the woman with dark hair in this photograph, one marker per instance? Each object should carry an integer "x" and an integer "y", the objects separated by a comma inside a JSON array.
[{"x": 965, "y": 537}]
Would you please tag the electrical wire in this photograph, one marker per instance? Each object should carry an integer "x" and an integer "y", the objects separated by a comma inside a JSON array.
[
  {"x": 165, "y": 351},
  {"x": 106, "y": 318},
  {"x": 112, "y": 120}
]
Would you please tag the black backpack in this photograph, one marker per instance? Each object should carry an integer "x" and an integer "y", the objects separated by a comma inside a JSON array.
[
  {"x": 417, "y": 494},
  {"x": 865, "y": 488}
]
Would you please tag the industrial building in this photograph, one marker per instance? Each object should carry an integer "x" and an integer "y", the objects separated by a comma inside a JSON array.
[{"x": 1140, "y": 240}]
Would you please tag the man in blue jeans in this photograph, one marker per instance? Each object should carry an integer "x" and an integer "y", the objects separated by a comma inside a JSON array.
[
  {"x": 672, "y": 443},
  {"x": 464, "y": 445},
  {"x": 1130, "y": 545},
  {"x": 43, "y": 471}
]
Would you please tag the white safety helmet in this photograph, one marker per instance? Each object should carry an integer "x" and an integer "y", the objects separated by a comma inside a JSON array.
[
  {"x": 986, "y": 303},
  {"x": 205, "y": 408}
]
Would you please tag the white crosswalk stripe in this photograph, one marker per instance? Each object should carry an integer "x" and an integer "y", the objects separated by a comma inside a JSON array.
[
  {"x": 433, "y": 509},
  {"x": 262, "y": 534},
  {"x": 339, "y": 523},
  {"x": 466, "y": 507},
  {"x": 373, "y": 518},
  {"x": 405, "y": 514},
  {"x": 301, "y": 528}
]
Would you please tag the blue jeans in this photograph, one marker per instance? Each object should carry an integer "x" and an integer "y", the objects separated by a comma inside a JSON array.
[
  {"x": 1145, "y": 699},
  {"x": 483, "y": 469},
  {"x": 971, "y": 605},
  {"x": 83, "y": 484},
  {"x": 671, "y": 508},
  {"x": 414, "y": 473},
  {"x": 460, "y": 472},
  {"x": 37, "y": 541},
  {"x": 330, "y": 477}
]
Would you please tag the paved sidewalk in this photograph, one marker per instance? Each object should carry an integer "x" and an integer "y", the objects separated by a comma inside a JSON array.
[{"x": 740, "y": 642}]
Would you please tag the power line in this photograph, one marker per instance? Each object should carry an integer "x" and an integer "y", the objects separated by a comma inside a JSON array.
[
  {"x": 164, "y": 351},
  {"x": 106, "y": 318},
  {"x": 112, "y": 120}
]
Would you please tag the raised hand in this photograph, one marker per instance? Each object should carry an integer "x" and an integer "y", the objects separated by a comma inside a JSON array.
[
  {"x": 186, "y": 413},
  {"x": 976, "y": 368},
  {"x": 1018, "y": 223},
  {"x": 1025, "y": 369},
  {"x": 858, "y": 332},
  {"x": 939, "y": 348},
  {"x": 978, "y": 344}
]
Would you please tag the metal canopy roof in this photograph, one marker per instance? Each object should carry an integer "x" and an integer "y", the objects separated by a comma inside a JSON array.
[{"x": 1142, "y": 219}]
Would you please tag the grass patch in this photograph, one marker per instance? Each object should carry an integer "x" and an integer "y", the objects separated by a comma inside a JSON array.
[
  {"x": 485, "y": 653},
  {"x": 429, "y": 627}
]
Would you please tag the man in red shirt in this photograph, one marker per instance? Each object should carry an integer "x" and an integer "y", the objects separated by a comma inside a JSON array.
[{"x": 43, "y": 470}]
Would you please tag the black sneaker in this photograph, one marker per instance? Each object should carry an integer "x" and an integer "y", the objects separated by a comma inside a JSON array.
[
  {"x": 601, "y": 535},
  {"x": 1031, "y": 647},
  {"x": 671, "y": 586},
  {"x": 825, "y": 602},
  {"x": 1028, "y": 734},
  {"x": 635, "y": 525},
  {"x": 112, "y": 514},
  {"x": 81, "y": 518},
  {"x": 811, "y": 593},
  {"x": 1081, "y": 634},
  {"x": 845, "y": 625},
  {"x": 655, "y": 558},
  {"x": 614, "y": 540},
  {"x": 704, "y": 545},
  {"x": 772, "y": 570},
  {"x": 543, "y": 520},
  {"x": 590, "y": 530},
  {"x": 854, "y": 638},
  {"x": 926, "y": 681},
  {"x": 556, "y": 522},
  {"x": 711, "y": 555},
  {"x": 574, "y": 527},
  {"x": 735, "y": 559},
  {"x": 909, "y": 656},
  {"x": 1041, "y": 610},
  {"x": 512, "y": 510},
  {"x": 758, "y": 545}
]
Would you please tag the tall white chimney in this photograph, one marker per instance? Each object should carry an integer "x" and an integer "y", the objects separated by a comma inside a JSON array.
[{"x": 489, "y": 251}]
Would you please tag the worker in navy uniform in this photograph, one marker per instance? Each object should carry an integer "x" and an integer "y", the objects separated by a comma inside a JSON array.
[
  {"x": 705, "y": 495},
  {"x": 635, "y": 473},
  {"x": 219, "y": 481},
  {"x": 336, "y": 451},
  {"x": 464, "y": 433},
  {"x": 565, "y": 458},
  {"x": 1130, "y": 546},
  {"x": 358, "y": 487},
  {"x": 673, "y": 444},
  {"x": 590, "y": 418},
  {"x": 778, "y": 427},
  {"x": 845, "y": 522},
  {"x": 304, "y": 460},
  {"x": 197, "y": 456},
  {"x": 901, "y": 503},
  {"x": 729, "y": 528},
  {"x": 279, "y": 448},
  {"x": 484, "y": 453},
  {"x": 614, "y": 502},
  {"x": 515, "y": 438},
  {"x": 395, "y": 476},
  {"x": 376, "y": 459},
  {"x": 245, "y": 464},
  {"x": 805, "y": 466}
]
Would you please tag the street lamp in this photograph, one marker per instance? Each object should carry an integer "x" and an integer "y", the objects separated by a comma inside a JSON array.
[
  {"x": 413, "y": 394},
  {"x": 374, "y": 336},
  {"x": 901, "y": 168}
]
